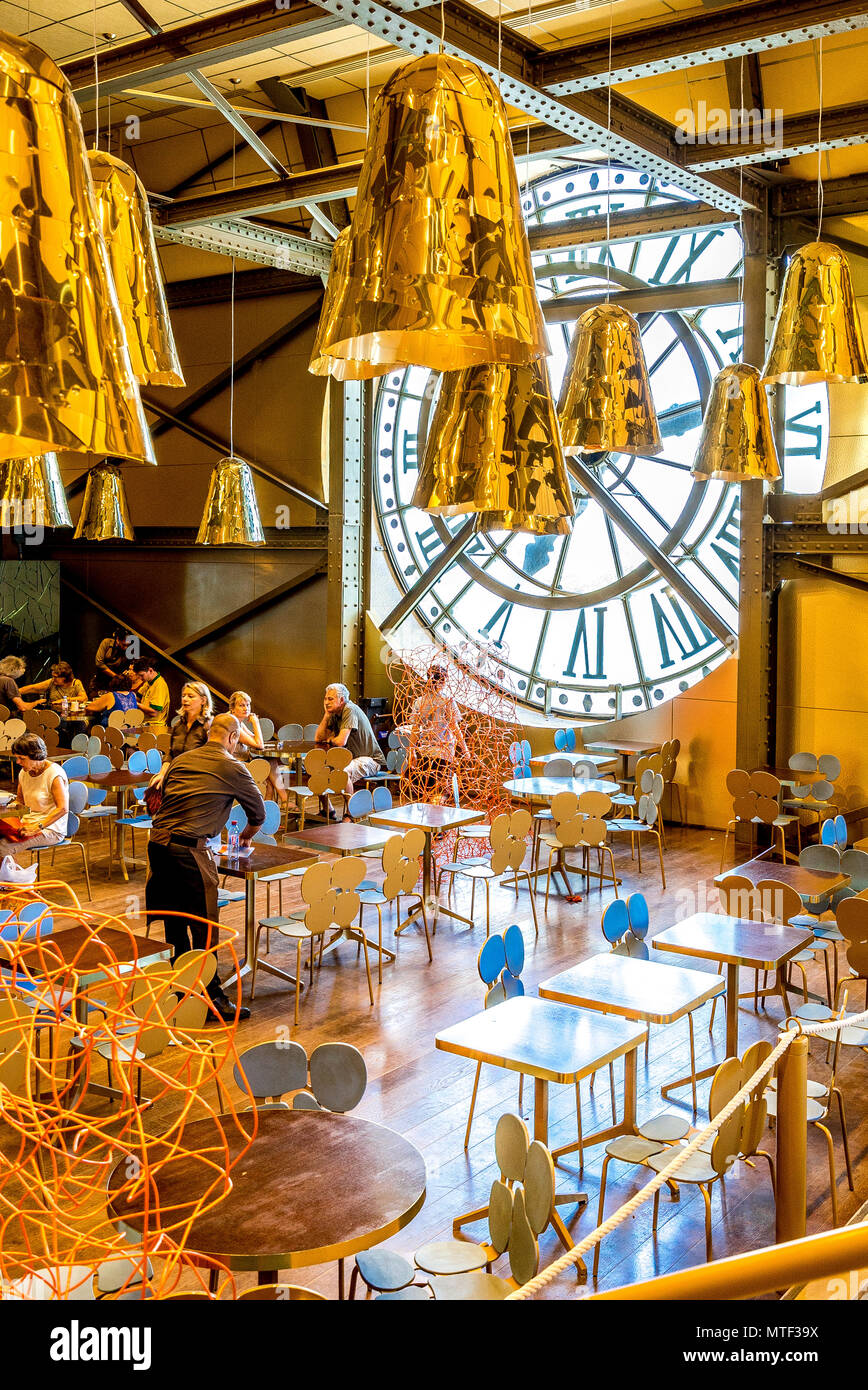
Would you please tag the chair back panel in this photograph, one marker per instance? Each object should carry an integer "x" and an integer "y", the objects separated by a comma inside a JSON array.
[
  {"x": 802, "y": 762},
  {"x": 779, "y": 901},
  {"x": 338, "y": 1076},
  {"x": 852, "y": 917}
]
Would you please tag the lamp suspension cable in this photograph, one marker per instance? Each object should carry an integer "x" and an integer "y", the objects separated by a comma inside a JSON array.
[
  {"x": 741, "y": 212},
  {"x": 608, "y": 251},
  {"x": 527, "y": 135},
  {"x": 232, "y": 331},
  {"x": 368, "y": 90},
  {"x": 499, "y": 43},
  {"x": 95, "y": 80},
  {"x": 820, "y": 143},
  {"x": 442, "y": 25}
]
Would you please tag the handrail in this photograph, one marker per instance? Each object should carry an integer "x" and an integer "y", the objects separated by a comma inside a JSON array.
[{"x": 759, "y": 1271}]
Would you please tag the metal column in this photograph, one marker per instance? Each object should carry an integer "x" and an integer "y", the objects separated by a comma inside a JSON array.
[{"x": 347, "y": 438}]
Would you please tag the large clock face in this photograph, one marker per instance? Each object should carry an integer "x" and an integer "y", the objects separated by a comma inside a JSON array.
[{"x": 609, "y": 619}]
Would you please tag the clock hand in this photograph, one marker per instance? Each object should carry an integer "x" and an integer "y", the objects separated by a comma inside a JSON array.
[
  {"x": 427, "y": 581},
  {"x": 633, "y": 531}
]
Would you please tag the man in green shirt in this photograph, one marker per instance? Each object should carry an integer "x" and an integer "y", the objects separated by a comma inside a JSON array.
[
  {"x": 344, "y": 725},
  {"x": 153, "y": 696}
]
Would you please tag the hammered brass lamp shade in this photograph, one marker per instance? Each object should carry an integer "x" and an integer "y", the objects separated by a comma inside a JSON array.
[
  {"x": 231, "y": 515},
  {"x": 32, "y": 489},
  {"x": 66, "y": 381},
  {"x": 494, "y": 449},
  {"x": 332, "y": 328},
  {"x": 125, "y": 219},
  {"x": 737, "y": 444},
  {"x": 104, "y": 515},
  {"x": 605, "y": 403},
  {"x": 817, "y": 335},
  {"x": 439, "y": 271}
]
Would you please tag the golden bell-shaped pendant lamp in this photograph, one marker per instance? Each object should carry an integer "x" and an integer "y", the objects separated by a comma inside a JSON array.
[
  {"x": 32, "y": 493},
  {"x": 817, "y": 334},
  {"x": 494, "y": 449},
  {"x": 104, "y": 515},
  {"x": 66, "y": 381},
  {"x": 737, "y": 444},
  {"x": 125, "y": 219},
  {"x": 332, "y": 327},
  {"x": 605, "y": 403},
  {"x": 439, "y": 271},
  {"x": 231, "y": 515}
]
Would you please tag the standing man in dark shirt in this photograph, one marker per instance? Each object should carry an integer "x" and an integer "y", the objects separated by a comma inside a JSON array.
[{"x": 198, "y": 792}]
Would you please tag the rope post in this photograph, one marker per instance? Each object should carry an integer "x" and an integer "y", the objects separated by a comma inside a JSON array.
[{"x": 792, "y": 1143}]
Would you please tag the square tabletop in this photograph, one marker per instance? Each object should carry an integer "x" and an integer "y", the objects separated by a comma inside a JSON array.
[
  {"x": 427, "y": 817},
  {"x": 554, "y": 1042},
  {"x": 647, "y": 990},
  {"x": 347, "y": 837},
  {"x": 623, "y": 745},
  {"x": 544, "y": 788},
  {"x": 812, "y": 885},
  {"x": 714, "y": 936},
  {"x": 264, "y": 859},
  {"x": 92, "y": 952}
]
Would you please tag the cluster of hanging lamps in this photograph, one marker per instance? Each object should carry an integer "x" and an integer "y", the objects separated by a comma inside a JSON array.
[
  {"x": 605, "y": 403},
  {"x": 493, "y": 449}
]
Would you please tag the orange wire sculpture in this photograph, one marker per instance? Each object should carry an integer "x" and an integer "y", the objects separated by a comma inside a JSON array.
[
  {"x": 68, "y": 1009},
  {"x": 487, "y": 710}
]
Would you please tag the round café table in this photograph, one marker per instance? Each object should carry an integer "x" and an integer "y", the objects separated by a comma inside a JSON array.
[{"x": 312, "y": 1187}]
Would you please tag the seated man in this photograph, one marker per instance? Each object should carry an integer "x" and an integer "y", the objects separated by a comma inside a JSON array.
[
  {"x": 344, "y": 725},
  {"x": 153, "y": 695}
]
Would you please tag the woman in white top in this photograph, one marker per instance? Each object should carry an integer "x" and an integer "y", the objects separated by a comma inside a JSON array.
[
  {"x": 435, "y": 730},
  {"x": 241, "y": 705},
  {"x": 43, "y": 790}
]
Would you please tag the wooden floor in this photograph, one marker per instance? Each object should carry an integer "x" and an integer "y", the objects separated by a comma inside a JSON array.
[{"x": 424, "y": 1093}]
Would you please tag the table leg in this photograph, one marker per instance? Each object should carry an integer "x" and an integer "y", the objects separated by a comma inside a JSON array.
[
  {"x": 732, "y": 997},
  {"x": 246, "y": 964},
  {"x": 626, "y": 1125},
  {"x": 438, "y": 909},
  {"x": 119, "y": 831},
  {"x": 541, "y": 1110}
]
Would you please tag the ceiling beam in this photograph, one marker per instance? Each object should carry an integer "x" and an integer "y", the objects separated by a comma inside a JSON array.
[
  {"x": 754, "y": 141},
  {"x": 295, "y": 191},
  {"x": 841, "y": 197},
  {"x": 700, "y": 37},
  {"x": 632, "y": 134},
  {"x": 249, "y": 284},
  {"x": 666, "y": 220},
  {"x": 218, "y": 38},
  {"x": 316, "y": 143},
  {"x": 651, "y": 299}
]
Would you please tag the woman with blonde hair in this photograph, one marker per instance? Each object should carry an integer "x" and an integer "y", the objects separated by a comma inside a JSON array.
[
  {"x": 241, "y": 705},
  {"x": 196, "y": 713}
]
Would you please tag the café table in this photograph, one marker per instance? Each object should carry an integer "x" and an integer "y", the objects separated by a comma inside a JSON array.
[
  {"x": 544, "y": 788},
  {"x": 262, "y": 860},
  {"x": 345, "y": 838},
  {"x": 626, "y": 748},
  {"x": 434, "y": 820},
  {"x": 122, "y": 781},
  {"x": 737, "y": 943},
  {"x": 812, "y": 885},
  {"x": 540, "y": 762},
  {"x": 312, "y": 1187},
  {"x": 551, "y": 1042},
  {"x": 645, "y": 991}
]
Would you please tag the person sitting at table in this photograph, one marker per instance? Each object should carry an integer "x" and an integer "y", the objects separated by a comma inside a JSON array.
[
  {"x": 241, "y": 705},
  {"x": 435, "y": 730},
  {"x": 12, "y": 668},
  {"x": 61, "y": 685},
  {"x": 153, "y": 696},
  {"x": 118, "y": 696},
  {"x": 199, "y": 789},
  {"x": 344, "y": 725},
  {"x": 43, "y": 790},
  {"x": 191, "y": 729}
]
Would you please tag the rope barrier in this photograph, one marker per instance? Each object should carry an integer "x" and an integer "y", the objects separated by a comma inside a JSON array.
[{"x": 681, "y": 1155}]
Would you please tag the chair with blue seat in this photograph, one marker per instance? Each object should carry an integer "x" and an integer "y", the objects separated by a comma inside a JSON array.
[
  {"x": 834, "y": 832},
  {"x": 154, "y": 759},
  {"x": 137, "y": 763},
  {"x": 360, "y": 804},
  {"x": 97, "y": 797},
  {"x": 237, "y": 818},
  {"x": 309, "y": 732},
  {"x": 500, "y": 963},
  {"x": 77, "y": 766},
  {"x": 382, "y": 799},
  {"x": 519, "y": 757},
  {"x": 468, "y": 832},
  {"x": 77, "y": 803},
  {"x": 290, "y": 733},
  {"x": 565, "y": 740}
]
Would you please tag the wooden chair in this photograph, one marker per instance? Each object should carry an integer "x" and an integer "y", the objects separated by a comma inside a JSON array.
[
  {"x": 647, "y": 821},
  {"x": 334, "y": 1079},
  {"x": 756, "y": 798},
  {"x": 326, "y": 778},
  {"x": 332, "y": 902},
  {"x": 277, "y": 1293},
  {"x": 401, "y": 865},
  {"x": 508, "y": 836},
  {"x": 737, "y": 1137},
  {"x": 853, "y": 923},
  {"x": 579, "y": 824},
  {"x": 521, "y": 1206},
  {"x": 780, "y": 903}
]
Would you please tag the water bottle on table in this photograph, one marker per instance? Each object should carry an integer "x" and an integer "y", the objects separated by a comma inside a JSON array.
[{"x": 233, "y": 840}]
